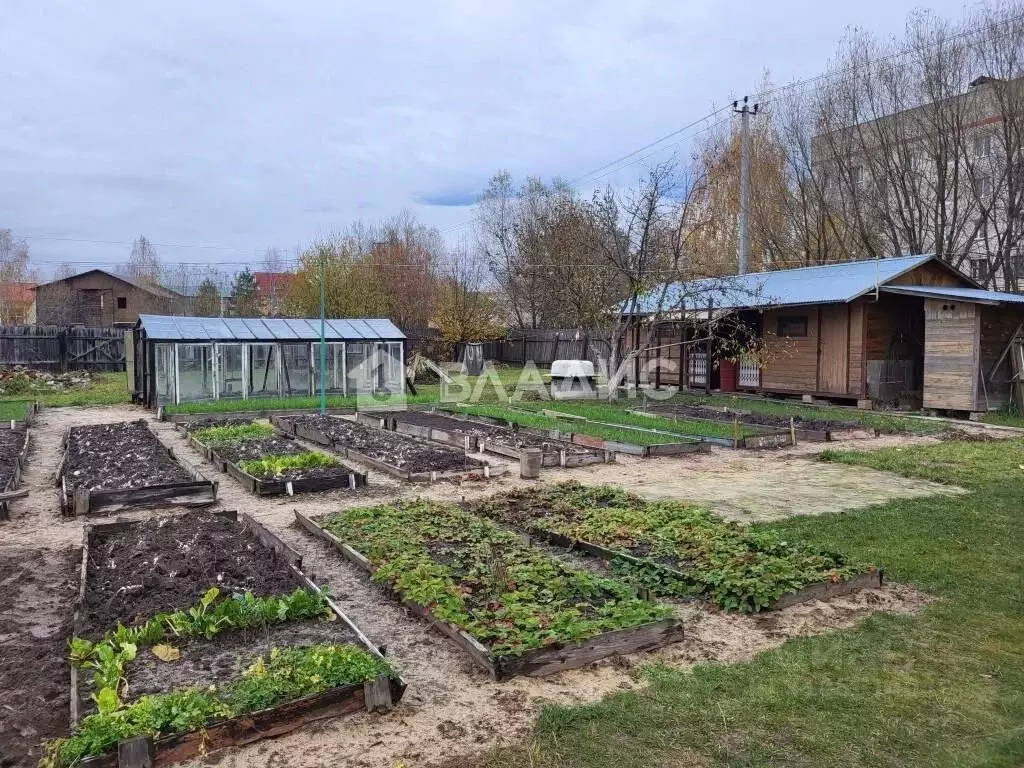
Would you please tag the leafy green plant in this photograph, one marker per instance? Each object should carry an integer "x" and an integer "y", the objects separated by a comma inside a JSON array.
[
  {"x": 685, "y": 550},
  {"x": 285, "y": 675},
  {"x": 275, "y": 466},
  {"x": 441, "y": 557},
  {"x": 233, "y": 434}
]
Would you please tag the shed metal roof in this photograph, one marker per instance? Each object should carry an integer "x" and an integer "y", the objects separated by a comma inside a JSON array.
[
  {"x": 974, "y": 295},
  {"x": 825, "y": 284},
  {"x": 173, "y": 328}
]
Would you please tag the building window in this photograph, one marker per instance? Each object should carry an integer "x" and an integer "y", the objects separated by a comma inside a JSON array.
[
  {"x": 979, "y": 270},
  {"x": 792, "y": 325},
  {"x": 983, "y": 145},
  {"x": 122, "y": 302},
  {"x": 983, "y": 186}
]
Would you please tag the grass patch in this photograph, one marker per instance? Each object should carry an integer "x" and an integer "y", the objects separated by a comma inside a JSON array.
[
  {"x": 275, "y": 466},
  {"x": 618, "y": 414},
  {"x": 943, "y": 688},
  {"x": 105, "y": 389},
  {"x": 14, "y": 410},
  {"x": 1004, "y": 419},
  {"x": 539, "y": 421},
  {"x": 872, "y": 420}
]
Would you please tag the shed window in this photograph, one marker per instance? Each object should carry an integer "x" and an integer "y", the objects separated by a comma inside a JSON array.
[
  {"x": 790, "y": 325},
  {"x": 122, "y": 302}
]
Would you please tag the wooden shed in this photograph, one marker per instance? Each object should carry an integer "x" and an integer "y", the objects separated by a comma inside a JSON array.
[{"x": 908, "y": 331}]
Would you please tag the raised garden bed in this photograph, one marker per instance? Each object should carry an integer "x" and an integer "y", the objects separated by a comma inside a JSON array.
[
  {"x": 187, "y": 415},
  {"x": 811, "y": 430},
  {"x": 112, "y": 467},
  {"x": 677, "y": 549},
  {"x": 199, "y": 632},
  {"x": 404, "y": 456},
  {"x": 614, "y": 439},
  {"x": 512, "y": 608},
  {"x": 14, "y": 443},
  {"x": 480, "y": 436},
  {"x": 266, "y": 461},
  {"x": 18, "y": 411}
]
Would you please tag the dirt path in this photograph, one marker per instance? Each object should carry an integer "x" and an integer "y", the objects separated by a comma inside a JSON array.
[{"x": 451, "y": 708}]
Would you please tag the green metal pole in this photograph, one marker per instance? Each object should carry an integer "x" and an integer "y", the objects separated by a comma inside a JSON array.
[{"x": 323, "y": 341}]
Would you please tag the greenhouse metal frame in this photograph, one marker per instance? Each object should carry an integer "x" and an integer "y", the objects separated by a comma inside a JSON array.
[{"x": 188, "y": 359}]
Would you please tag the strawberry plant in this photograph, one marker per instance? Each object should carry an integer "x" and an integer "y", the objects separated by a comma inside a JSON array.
[
  {"x": 441, "y": 557},
  {"x": 685, "y": 550}
]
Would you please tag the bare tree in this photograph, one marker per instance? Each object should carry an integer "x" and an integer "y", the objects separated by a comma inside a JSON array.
[
  {"x": 15, "y": 276},
  {"x": 143, "y": 265},
  {"x": 466, "y": 311}
]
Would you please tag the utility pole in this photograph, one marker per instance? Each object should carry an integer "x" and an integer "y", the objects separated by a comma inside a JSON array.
[
  {"x": 744, "y": 112},
  {"x": 323, "y": 339}
]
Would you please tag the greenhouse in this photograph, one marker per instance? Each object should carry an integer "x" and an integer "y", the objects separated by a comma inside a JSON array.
[{"x": 186, "y": 359}]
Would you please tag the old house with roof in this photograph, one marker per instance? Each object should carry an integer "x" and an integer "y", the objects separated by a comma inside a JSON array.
[
  {"x": 100, "y": 298},
  {"x": 910, "y": 330}
]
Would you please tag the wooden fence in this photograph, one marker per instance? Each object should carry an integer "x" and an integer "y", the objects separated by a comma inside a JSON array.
[
  {"x": 543, "y": 347},
  {"x": 62, "y": 348}
]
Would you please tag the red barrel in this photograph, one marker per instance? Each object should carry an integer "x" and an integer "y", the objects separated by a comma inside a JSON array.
[{"x": 728, "y": 371}]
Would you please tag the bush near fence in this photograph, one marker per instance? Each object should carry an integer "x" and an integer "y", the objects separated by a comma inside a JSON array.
[{"x": 62, "y": 348}]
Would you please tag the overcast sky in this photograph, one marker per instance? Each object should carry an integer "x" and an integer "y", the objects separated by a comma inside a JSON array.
[{"x": 243, "y": 125}]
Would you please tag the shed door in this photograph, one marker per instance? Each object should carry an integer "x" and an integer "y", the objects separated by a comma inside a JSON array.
[{"x": 833, "y": 348}]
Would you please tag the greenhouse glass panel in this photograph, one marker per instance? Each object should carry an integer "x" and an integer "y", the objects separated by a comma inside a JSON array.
[
  {"x": 164, "y": 354},
  {"x": 195, "y": 372},
  {"x": 261, "y": 371},
  {"x": 390, "y": 368},
  {"x": 335, "y": 368},
  {"x": 360, "y": 368},
  {"x": 229, "y": 370},
  {"x": 295, "y": 373}
]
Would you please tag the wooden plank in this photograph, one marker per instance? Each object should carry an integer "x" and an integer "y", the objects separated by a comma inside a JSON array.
[
  {"x": 271, "y": 540},
  {"x": 828, "y": 590}
]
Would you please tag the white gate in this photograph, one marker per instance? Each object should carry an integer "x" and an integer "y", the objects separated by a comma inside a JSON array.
[
  {"x": 697, "y": 375},
  {"x": 750, "y": 374}
]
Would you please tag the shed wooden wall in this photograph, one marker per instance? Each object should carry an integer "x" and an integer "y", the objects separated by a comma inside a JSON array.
[
  {"x": 856, "y": 376},
  {"x": 792, "y": 362},
  {"x": 928, "y": 274},
  {"x": 951, "y": 355}
]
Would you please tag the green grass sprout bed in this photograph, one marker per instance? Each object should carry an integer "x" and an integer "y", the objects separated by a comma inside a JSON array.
[
  {"x": 617, "y": 414},
  {"x": 734, "y": 567},
  {"x": 485, "y": 580},
  {"x": 15, "y": 410},
  {"x": 539, "y": 421},
  {"x": 277, "y": 466}
]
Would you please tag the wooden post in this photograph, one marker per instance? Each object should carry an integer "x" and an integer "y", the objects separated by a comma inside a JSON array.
[
  {"x": 707, "y": 362},
  {"x": 137, "y": 752},
  {"x": 735, "y": 431},
  {"x": 377, "y": 694},
  {"x": 792, "y": 431}
]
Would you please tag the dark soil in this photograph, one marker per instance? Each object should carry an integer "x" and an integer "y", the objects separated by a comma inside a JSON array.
[
  {"x": 754, "y": 419},
  {"x": 258, "y": 448},
  {"x": 119, "y": 456},
  {"x": 513, "y": 438},
  {"x": 37, "y": 592},
  {"x": 12, "y": 441},
  {"x": 166, "y": 564},
  {"x": 193, "y": 426},
  {"x": 402, "y": 451},
  {"x": 218, "y": 661}
]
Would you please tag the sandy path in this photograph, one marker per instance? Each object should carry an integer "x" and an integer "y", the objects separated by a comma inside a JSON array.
[{"x": 451, "y": 708}]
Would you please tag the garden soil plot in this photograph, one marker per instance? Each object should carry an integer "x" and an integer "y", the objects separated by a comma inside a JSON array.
[
  {"x": 167, "y": 564},
  {"x": 479, "y": 435},
  {"x": 513, "y": 609},
  {"x": 14, "y": 442},
  {"x": 37, "y": 589},
  {"x": 108, "y": 467},
  {"x": 266, "y": 461},
  {"x": 260, "y": 652},
  {"x": 407, "y": 457},
  {"x": 806, "y": 428}
]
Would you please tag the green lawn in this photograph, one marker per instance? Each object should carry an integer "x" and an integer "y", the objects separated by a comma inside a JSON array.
[
  {"x": 105, "y": 389},
  {"x": 538, "y": 421},
  {"x": 1004, "y": 418},
  {"x": 887, "y": 422},
  {"x": 618, "y": 413},
  {"x": 14, "y": 409},
  {"x": 942, "y": 688}
]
